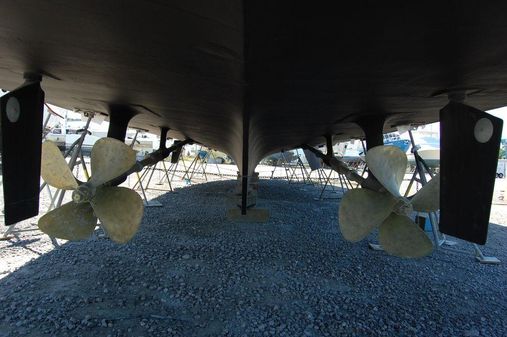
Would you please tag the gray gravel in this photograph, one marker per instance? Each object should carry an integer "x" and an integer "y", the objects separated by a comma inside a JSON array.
[{"x": 189, "y": 272}]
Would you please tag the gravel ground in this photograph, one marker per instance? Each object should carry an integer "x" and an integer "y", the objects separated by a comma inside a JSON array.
[{"x": 190, "y": 272}]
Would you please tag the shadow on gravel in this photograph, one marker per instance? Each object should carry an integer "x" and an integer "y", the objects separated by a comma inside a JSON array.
[
  {"x": 190, "y": 272},
  {"x": 23, "y": 243}
]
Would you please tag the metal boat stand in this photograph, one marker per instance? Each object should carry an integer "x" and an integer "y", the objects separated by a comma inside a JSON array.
[
  {"x": 292, "y": 170},
  {"x": 325, "y": 180},
  {"x": 325, "y": 175},
  {"x": 148, "y": 173},
  {"x": 146, "y": 202},
  {"x": 174, "y": 165},
  {"x": 205, "y": 160},
  {"x": 140, "y": 178},
  {"x": 479, "y": 256},
  {"x": 46, "y": 122},
  {"x": 282, "y": 163},
  {"x": 274, "y": 170},
  {"x": 326, "y": 183},
  {"x": 165, "y": 176},
  {"x": 216, "y": 163},
  {"x": 197, "y": 164}
]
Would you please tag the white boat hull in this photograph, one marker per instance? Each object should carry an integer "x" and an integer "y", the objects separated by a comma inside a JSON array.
[{"x": 430, "y": 156}]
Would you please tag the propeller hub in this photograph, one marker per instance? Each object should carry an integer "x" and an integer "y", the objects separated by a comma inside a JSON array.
[
  {"x": 83, "y": 193},
  {"x": 403, "y": 207}
]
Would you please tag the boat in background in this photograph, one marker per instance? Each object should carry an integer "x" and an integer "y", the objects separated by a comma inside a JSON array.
[
  {"x": 144, "y": 142},
  {"x": 427, "y": 140},
  {"x": 394, "y": 139},
  {"x": 353, "y": 150},
  {"x": 67, "y": 131}
]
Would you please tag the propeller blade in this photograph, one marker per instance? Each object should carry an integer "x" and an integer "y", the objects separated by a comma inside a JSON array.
[
  {"x": 110, "y": 158},
  {"x": 54, "y": 169},
  {"x": 388, "y": 164},
  {"x": 427, "y": 199},
  {"x": 120, "y": 211},
  {"x": 363, "y": 210},
  {"x": 70, "y": 222},
  {"x": 400, "y": 236}
]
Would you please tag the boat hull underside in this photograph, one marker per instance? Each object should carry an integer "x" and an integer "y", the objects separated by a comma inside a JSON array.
[{"x": 258, "y": 75}]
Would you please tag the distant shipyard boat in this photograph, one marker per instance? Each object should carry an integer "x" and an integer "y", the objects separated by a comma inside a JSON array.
[
  {"x": 393, "y": 139},
  {"x": 67, "y": 133},
  {"x": 427, "y": 141},
  {"x": 428, "y": 147},
  {"x": 353, "y": 150}
]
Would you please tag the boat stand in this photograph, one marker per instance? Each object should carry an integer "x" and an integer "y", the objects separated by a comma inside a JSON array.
[
  {"x": 287, "y": 168},
  {"x": 46, "y": 122},
  {"x": 188, "y": 171},
  {"x": 479, "y": 256},
  {"x": 140, "y": 179},
  {"x": 146, "y": 202},
  {"x": 273, "y": 171},
  {"x": 325, "y": 181},
  {"x": 216, "y": 163},
  {"x": 174, "y": 168},
  {"x": 205, "y": 163},
  {"x": 165, "y": 176},
  {"x": 292, "y": 170},
  {"x": 149, "y": 172},
  {"x": 197, "y": 166}
]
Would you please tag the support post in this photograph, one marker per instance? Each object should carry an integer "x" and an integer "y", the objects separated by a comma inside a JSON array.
[
  {"x": 119, "y": 118},
  {"x": 244, "y": 167},
  {"x": 133, "y": 143},
  {"x": 373, "y": 128},
  {"x": 163, "y": 137},
  {"x": 329, "y": 145}
]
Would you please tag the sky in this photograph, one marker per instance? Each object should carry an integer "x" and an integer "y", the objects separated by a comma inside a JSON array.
[{"x": 502, "y": 114}]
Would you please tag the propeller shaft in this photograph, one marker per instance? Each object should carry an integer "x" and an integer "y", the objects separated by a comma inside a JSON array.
[{"x": 342, "y": 168}]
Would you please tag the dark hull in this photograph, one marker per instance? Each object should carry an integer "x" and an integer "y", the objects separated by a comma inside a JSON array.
[{"x": 258, "y": 75}]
